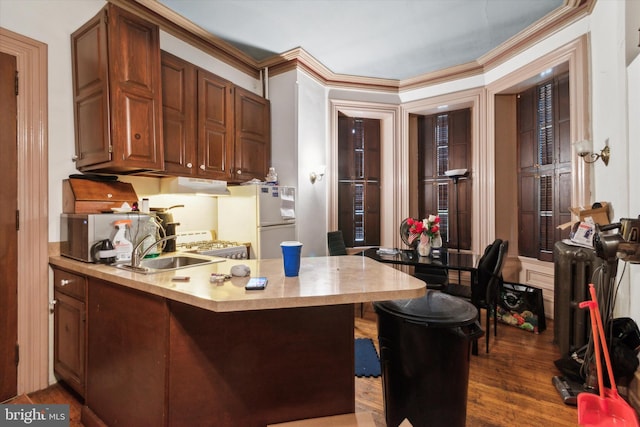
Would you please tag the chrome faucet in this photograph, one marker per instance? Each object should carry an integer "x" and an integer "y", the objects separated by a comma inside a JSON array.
[{"x": 135, "y": 258}]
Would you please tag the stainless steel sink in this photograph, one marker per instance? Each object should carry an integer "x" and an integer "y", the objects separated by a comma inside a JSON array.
[{"x": 168, "y": 263}]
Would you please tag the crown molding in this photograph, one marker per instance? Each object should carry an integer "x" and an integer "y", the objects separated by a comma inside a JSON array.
[
  {"x": 301, "y": 59},
  {"x": 298, "y": 58},
  {"x": 572, "y": 11}
]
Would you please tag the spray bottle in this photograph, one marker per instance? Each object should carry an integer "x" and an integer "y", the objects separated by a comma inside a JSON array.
[
  {"x": 151, "y": 235},
  {"x": 123, "y": 247}
]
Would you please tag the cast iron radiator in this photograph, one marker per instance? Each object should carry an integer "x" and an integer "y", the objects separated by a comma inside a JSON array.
[{"x": 574, "y": 268}]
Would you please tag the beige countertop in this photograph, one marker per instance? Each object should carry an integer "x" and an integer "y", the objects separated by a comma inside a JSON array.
[{"x": 322, "y": 281}]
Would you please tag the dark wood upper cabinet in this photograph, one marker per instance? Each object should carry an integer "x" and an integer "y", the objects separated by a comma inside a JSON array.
[
  {"x": 117, "y": 93},
  {"x": 212, "y": 128},
  {"x": 252, "y": 135},
  {"x": 179, "y": 115},
  {"x": 215, "y": 126}
]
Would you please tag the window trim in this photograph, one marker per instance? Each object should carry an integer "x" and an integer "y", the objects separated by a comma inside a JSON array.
[
  {"x": 391, "y": 193},
  {"x": 472, "y": 99},
  {"x": 575, "y": 55}
]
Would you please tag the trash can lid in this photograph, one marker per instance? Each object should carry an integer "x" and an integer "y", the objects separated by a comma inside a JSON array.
[{"x": 434, "y": 309}]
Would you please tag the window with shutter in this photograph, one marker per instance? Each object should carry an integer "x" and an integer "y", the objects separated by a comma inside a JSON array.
[
  {"x": 543, "y": 137},
  {"x": 359, "y": 181},
  {"x": 444, "y": 143}
]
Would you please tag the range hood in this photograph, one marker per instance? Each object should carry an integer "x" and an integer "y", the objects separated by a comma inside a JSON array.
[{"x": 186, "y": 185}]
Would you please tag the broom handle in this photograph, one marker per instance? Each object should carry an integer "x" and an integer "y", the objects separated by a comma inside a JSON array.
[
  {"x": 605, "y": 350},
  {"x": 593, "y": 307}
]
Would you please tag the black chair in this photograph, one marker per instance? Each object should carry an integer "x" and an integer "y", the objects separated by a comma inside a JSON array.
[
  {"x": 335, "y": 242},
  {"x": 435, "y": 278},
  {"x": 485, "y": 290}
]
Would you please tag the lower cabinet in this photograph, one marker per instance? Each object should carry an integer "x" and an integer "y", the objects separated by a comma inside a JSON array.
[{"x": 70, "y": 332}]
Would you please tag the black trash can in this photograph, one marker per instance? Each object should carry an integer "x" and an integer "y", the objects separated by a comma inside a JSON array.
[{"x": 424, "y": 356}]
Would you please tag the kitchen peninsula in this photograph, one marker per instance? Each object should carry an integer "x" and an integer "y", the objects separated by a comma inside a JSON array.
[{"x": 168, "y": 353}]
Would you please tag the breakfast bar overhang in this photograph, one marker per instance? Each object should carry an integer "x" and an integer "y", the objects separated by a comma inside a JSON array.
[{"x": 168, "y": 353}]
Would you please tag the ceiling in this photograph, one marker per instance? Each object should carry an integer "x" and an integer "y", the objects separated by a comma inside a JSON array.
[{"x": 389, "y": 39}]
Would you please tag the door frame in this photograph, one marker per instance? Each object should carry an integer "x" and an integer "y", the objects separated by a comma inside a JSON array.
[{"x": 33, "y": 204}]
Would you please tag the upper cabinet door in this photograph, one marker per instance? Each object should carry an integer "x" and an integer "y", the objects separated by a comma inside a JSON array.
[
  {"x": 252, "y": 136},
  {"x": 215, "y": 126},
  {"x": 117, "y": 92},
  {"x": 179, "y": 115},
  {"x": 90, "y": 69},
  {"x": 136, "y": 126}
]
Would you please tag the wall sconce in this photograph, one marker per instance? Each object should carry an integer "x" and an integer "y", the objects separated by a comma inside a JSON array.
[
  {"x": 318, "y": 174},
  {"x": 584, "y": 149}
]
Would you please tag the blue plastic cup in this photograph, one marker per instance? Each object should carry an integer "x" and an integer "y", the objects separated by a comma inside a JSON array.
[{"x": 291, "y": 256}]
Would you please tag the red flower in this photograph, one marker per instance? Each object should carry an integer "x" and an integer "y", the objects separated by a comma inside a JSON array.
[{"x": 429, "y": 227}]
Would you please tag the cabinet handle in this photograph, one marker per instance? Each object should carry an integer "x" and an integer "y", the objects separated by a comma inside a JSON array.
[
  {"x": 189, "y": 165},
  {"x": 64, "y": 282},
  {"x": 239, "y": 172},
  {"x": 203, "y": 167},
  {"x": 52, "y": 305},
  {"x": 136, "y": 136}
]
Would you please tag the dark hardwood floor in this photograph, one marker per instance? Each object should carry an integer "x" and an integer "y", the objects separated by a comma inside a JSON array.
[{"x": 510, "y": 386}]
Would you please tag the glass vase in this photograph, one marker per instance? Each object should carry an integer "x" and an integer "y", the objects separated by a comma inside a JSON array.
[
  {"x": 424, "y": 246},
  {"x": 436, "y": 241}
]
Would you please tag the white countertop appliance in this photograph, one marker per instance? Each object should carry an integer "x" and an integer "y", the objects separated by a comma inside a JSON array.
[{"x": 263, "y": 215}]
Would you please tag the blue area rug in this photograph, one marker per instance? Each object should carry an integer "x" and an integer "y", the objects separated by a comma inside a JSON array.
[{"x": 366, "y": 358}]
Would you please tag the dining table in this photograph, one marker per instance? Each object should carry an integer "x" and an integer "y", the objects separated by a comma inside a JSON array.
[
  {"x": 444, "y": 261},
  {"x": 457, "y": 261}
]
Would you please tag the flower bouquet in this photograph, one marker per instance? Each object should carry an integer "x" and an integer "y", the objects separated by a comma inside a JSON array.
[
  {"x": 427, "y": 231},
  {"x": 429, "y": 227}
]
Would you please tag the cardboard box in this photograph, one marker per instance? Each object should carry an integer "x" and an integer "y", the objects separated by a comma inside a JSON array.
[{"x": 598, "y": 215}]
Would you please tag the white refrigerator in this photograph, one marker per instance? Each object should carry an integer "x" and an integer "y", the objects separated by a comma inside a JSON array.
[{"x": 263, "y": 215}]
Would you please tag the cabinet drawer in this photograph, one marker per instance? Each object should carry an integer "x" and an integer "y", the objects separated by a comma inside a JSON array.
[{"x": 70, "y": 284}]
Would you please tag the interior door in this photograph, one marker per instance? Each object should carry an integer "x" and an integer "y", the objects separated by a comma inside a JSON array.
[{"x": 8, "y": 229}]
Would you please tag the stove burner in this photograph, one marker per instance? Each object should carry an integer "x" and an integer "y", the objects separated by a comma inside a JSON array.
[
  {"x": 203, "y": 245},
  {"x": 219, "y": 248}
]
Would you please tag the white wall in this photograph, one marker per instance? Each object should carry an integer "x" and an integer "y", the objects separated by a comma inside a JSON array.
[
  {"x": 633, "y": 80},
  {"x": 283, "y": 95},
  {"x": 197, "y": 57},
  {"x": 610, "y": 101},
  {"x": 313, "y": 140}
]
